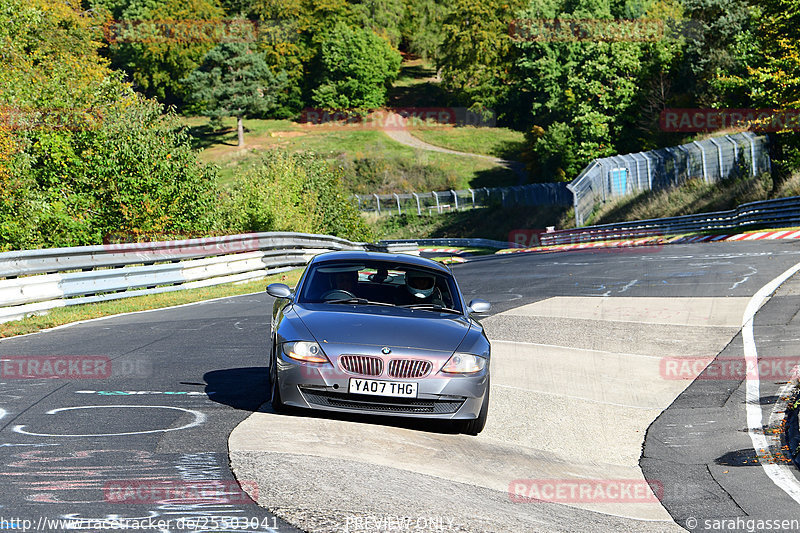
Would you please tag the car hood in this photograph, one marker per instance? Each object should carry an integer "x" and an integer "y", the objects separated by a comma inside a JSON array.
[{"x": 383, "y": 326}]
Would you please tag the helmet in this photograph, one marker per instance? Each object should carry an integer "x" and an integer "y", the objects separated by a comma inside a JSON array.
[{"x": 419, "y": 284}]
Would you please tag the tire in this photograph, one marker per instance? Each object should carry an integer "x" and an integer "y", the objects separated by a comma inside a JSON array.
[
  {"x": 275, "y": 398},
  {"x": 476, "y": 425}
]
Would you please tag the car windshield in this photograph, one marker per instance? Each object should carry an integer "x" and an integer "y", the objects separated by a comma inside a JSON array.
[{"x": 376, "y": 282}]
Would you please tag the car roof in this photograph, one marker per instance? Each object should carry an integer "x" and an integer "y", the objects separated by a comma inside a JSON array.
[{"x": 356, "y": 255}]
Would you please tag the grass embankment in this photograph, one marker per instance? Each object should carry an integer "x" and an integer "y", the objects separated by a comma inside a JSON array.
[
  {"x": 486, "y": 223},
  {"x": 695, "y": 196},
  {"x": 498, "y": 142},
  {"x": 65, "y": 315},
  {"x": 373, "y": 163}
]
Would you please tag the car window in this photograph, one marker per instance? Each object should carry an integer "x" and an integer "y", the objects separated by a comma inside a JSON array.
[{"x": 382, "y": 282}]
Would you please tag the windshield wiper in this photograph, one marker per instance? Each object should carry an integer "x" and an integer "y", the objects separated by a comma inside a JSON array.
[
  {"x": 433, "y": 307},
  {"x": 359, "y": 301}
]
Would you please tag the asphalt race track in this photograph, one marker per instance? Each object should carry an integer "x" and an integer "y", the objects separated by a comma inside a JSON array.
[{"x": 582, "y": 389}]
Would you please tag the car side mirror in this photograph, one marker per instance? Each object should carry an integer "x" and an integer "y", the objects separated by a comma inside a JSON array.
[
  {"x": 279, "y": 290},
  {"x": 479, "y": 306}
]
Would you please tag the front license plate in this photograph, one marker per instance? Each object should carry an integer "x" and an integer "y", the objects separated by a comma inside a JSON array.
[{"x": 383, "y": 388}]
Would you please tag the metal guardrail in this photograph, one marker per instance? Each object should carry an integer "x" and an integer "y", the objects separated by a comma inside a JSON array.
[
  {"x": 781, "y": 212},
  {"x": 712, "y": 160},
  {"x": 471, "y": 243},
  {"x": 39, "y": 280}
]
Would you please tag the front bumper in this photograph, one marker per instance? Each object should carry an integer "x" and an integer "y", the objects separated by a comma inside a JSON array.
[{"x": 326, "y": 388}]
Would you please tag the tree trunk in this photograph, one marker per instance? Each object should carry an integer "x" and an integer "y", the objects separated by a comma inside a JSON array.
[{"x": 240, "y": 128}]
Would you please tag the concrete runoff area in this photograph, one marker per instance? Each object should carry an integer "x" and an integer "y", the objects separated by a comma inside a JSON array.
[{"x": 576, "y": 381}]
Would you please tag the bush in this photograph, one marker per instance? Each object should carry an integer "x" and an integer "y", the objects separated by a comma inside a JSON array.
[
  {"x": 134, "y": 174},
  {"x": 293, "y": 192}
]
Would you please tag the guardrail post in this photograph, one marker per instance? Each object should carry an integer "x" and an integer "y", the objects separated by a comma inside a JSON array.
[
  {"x": 455, "y": 198},
  {"x": 378, "y": 203},
  {"x": 419, "y": 210},
  {"x": 398, "y": 203},
  {"x": 719, "y": 157},
  {"x": 703, "y": 160}
]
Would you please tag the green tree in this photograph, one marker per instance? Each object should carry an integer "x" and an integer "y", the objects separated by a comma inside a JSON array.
[
  {"x": 771, "y": 78},
  {"x": 355, "y": 66},
  {"x": 477, "y": 53},
  {"x": 384, "y": 17},
  {"x": 157, "y": 57},
  {"x": 584, "y": 89},
  {"x": 422, "y": 27},
  {"x": 87, "y": 156},
  {"x": 720, "y": 37},
  {"x": 49, "y": 54},
  {"x": 236, "y": 81}
]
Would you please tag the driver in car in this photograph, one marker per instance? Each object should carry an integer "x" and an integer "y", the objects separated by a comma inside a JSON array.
[{"x": 420, "y": 288}]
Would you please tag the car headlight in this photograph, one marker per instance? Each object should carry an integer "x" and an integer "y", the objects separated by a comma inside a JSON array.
[
  {"x": 308, "y": 352},
  {"x": 464, "y": 363}
]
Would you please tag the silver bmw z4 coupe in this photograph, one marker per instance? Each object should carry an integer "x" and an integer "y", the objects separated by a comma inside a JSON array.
[{"x": 377, "y": 333}]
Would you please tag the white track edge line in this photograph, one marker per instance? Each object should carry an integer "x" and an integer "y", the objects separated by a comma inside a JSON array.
[{"x": 778, "y": 473}]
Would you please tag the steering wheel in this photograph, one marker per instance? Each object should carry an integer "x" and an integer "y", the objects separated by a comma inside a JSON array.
[{"x": 338, "y": 294}]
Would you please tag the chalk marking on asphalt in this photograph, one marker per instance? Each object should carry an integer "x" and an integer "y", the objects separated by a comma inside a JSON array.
[
  {"x": 744, "y": 279},
  {"x": 629, "y": 285},
  {"x": 778, "y": 473},
  {"x": 199, "y": 418}
]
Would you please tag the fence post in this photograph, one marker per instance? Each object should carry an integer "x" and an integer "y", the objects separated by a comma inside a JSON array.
[
  {"x": 438, "y": 209},
  {"x": 473, "y": 197},
  {"x": 703, "y": 160},
  {"x": 455, "y": 198},
  {"x": 398, "y": 204},
  {"x": 719, "y": 156},
  {"x": 752, "y": 154},
  {"x": 419, "y": 211},
  {"x": 735, "y": 149},
  {"x": 378, "y": 203}
]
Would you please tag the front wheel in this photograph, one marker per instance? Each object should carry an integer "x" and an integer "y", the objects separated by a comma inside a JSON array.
[
  {"x": 475, "y": 426},
  {"x": 277, "y": 404}
]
